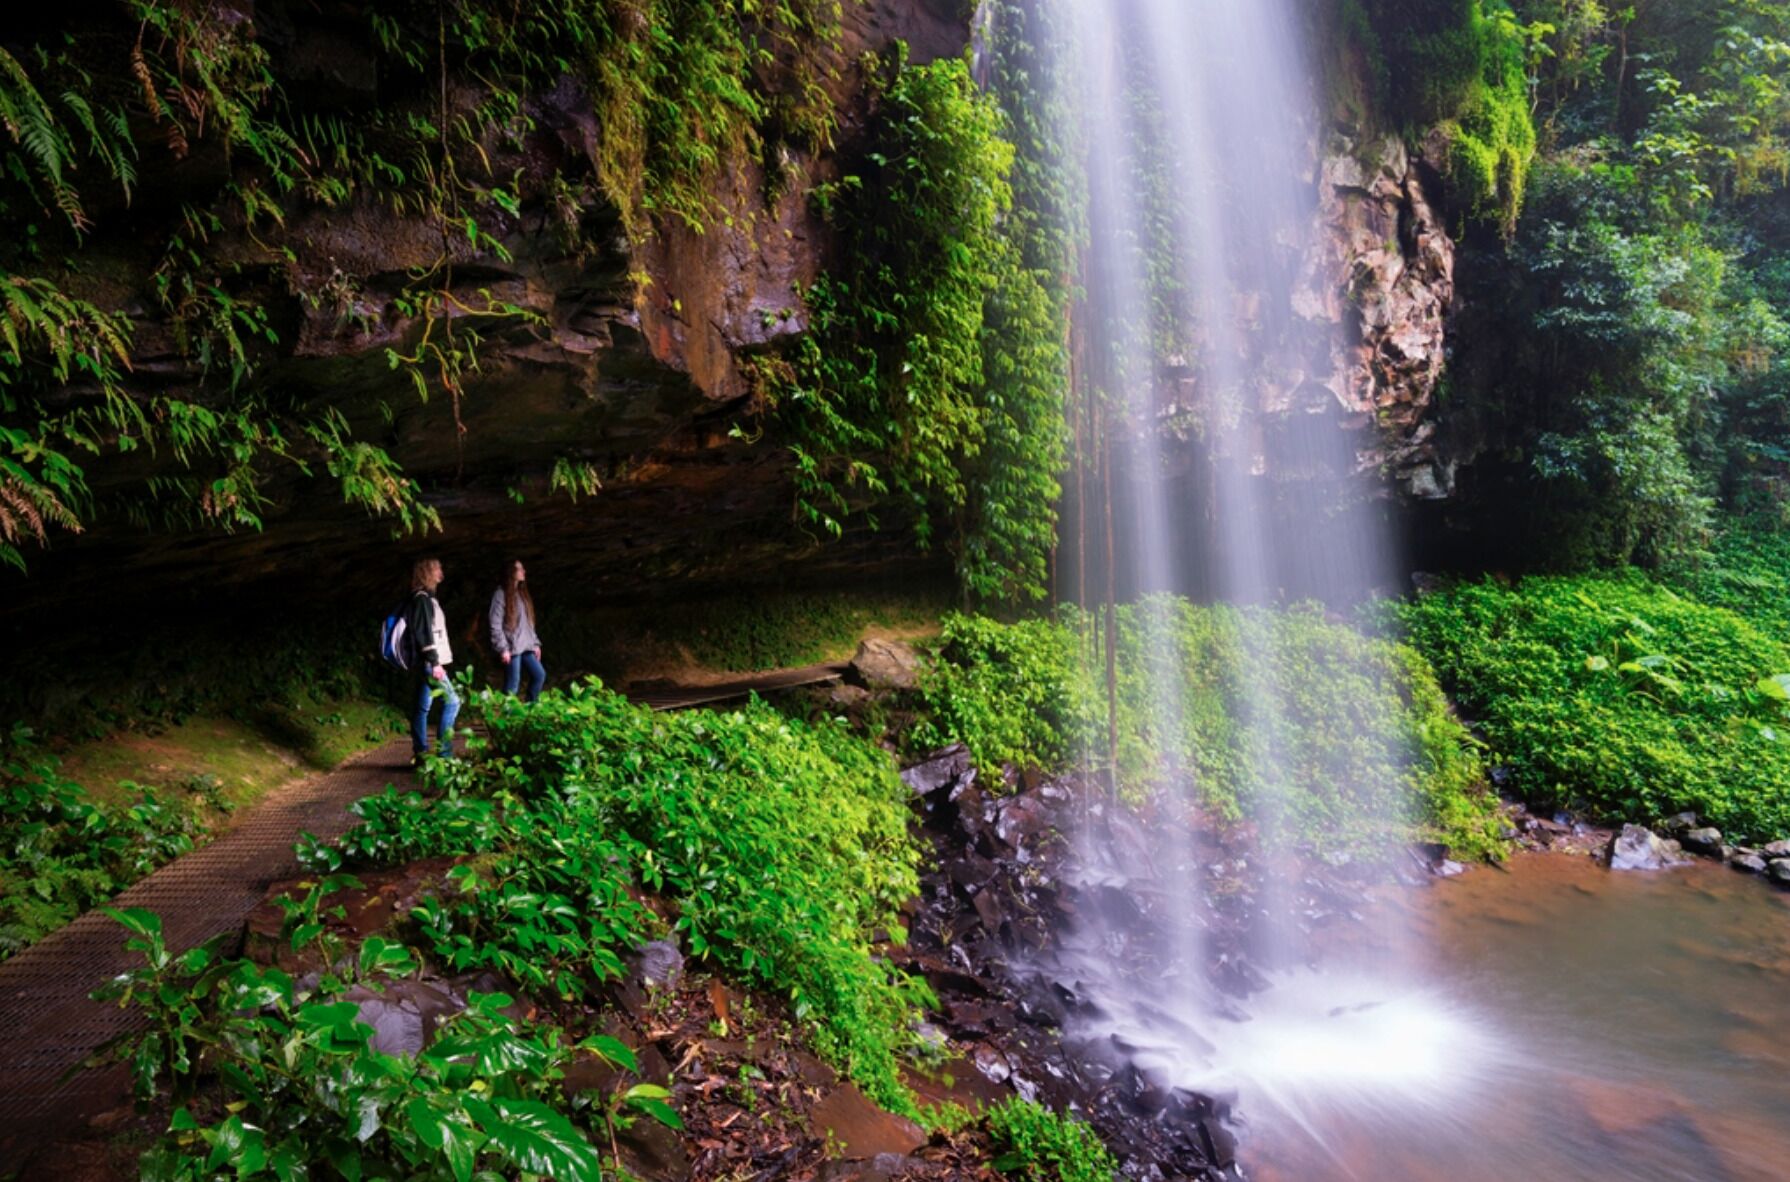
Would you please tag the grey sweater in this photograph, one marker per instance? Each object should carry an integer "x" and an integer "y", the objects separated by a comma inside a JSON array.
[{"x": 515, "y": 640}]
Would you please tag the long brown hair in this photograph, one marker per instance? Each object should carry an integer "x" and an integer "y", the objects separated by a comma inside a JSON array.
[
  {"x": 425, "y": 575},
  {"x": 515, "y": 590}
]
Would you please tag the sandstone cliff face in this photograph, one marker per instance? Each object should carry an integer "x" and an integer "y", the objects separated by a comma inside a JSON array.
[
  {"x": 1380, "y": 279},
  {"x": 633, "y": 368}
]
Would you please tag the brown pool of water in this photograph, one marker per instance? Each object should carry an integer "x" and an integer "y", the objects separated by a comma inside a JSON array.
[{"x": 1641, "y": 1025}]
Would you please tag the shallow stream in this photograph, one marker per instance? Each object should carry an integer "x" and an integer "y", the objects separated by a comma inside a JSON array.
[{"x": 1567, "y": 1023}]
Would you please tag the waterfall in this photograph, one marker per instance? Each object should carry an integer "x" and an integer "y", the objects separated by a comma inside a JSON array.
[{"x": 1219, "y": 415}]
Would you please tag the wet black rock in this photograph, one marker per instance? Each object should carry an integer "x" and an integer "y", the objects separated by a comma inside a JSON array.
[
  {"x": 942, "y": 770},
  {"x": 1679, "y": 825},
  {"x": 1779, "y": 870},
  {"x": 1751, "y": 863},
  {"x": 1706, "y": 841},
  {"x": 971, "y": 871},
  {"x": 1021, "y": 820}
]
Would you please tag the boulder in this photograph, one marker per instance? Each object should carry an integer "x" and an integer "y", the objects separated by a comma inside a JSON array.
[
  {"x": 1706, "y": 841},
  {"x": 847, "y": 697},
  {"x": 886, "y": 665},
  {"x": 404, "y": 1014},
  {"x": 940, "y": 770},
  {"x": 1751, "y": 863},
  {"x": 1776, "y": 849},
  {"x": 1638, "y": 848},
  {"x": 1779, "y": 870},
  {"x": 1679, "y": 825},
  {"x": 659, "y": 964}
]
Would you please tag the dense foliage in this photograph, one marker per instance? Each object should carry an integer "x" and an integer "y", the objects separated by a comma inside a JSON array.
[
  {"x": 779, "y": 849},
  {"x": 306, "y": 1093},
  {"x": 1620, "y": 697},
  {"x": 1620, "y": 359},
  {"x": 1459, "y": 65},
  {"x": 1746, "y": 570},
  {"x": 1038, "y": 1145},
  {"x": 782, "y": 844},
  {"x": 1280, "y": 715},
  {"x": 933, "y": 373}
]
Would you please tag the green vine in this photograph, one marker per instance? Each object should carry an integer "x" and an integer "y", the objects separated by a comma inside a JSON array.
[{"x": 934, "y": 370}]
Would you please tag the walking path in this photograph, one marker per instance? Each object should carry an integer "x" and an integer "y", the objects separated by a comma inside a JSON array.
[{"x": 49, "y": 1023}]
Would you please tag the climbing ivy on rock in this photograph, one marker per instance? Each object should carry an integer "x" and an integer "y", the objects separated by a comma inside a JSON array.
[
  {"x": 1461, "y": 66},
  {"x": 932, "y": 376}
]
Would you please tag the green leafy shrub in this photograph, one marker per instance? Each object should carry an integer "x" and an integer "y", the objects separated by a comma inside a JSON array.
[
  {"x": 61, "y": 852},
  {"x": 879, "y": 395},
  {"x": 1345, "y": 739},
  {"x": 545, "y": 900},
  {"x": 1036, "y": 1144},
  {"x": 305, "y": 1094},
  {"x": 1619, "y": 696},
  {"x": 783, "y": 846},
  {"x": 933, "y": 373}
]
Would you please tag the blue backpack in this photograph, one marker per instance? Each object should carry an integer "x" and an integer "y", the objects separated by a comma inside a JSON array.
[{"x": 395, "y": 647}]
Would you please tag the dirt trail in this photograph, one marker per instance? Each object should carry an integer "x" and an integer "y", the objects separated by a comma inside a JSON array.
[{"x": 49, "y": 1022}]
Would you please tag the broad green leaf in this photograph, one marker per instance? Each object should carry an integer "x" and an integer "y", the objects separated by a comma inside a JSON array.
[
  {"x": 443, "y": 1132},
  {"x": 537, "y": 1139}
]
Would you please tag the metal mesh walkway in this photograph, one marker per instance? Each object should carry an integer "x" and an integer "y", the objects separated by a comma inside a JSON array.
[{"x": 49, "y": 1023}]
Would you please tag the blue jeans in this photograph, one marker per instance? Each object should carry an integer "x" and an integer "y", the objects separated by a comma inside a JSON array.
[
  {"x": 427, "y": 690},
  {"x": 518, "y": 664}
]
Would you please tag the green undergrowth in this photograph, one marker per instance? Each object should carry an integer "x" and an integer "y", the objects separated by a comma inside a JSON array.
[
  {"x": 781, "y": 845},
  {"x": 1037, "y": 1145},
  {"x": 1460, "y": 65},
  {"x": 1618, "y": 696},
  {"x": 62, "y": 851},
  {"x": 1746, "y": 570},
  {"x": 245, "y": 756},
  {"x": 1346, "y": 739},
  {"x": 268, "y": 1076}
]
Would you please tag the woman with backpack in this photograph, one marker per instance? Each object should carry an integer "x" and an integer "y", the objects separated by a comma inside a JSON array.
[
  {"x": 513, "y": 639},
  {"x": 428, "y": 634}
]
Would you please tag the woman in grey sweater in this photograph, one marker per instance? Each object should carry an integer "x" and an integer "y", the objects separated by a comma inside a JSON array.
[{"x": 512, "y": 620}]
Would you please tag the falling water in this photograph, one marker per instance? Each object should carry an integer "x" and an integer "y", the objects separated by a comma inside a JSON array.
[
  {"x": 1487, "y": 1029},
  {"x": 1201, "y": 136}
]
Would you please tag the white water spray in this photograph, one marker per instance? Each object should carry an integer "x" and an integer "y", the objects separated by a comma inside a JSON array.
[{"x": 1202, "y": 132}]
